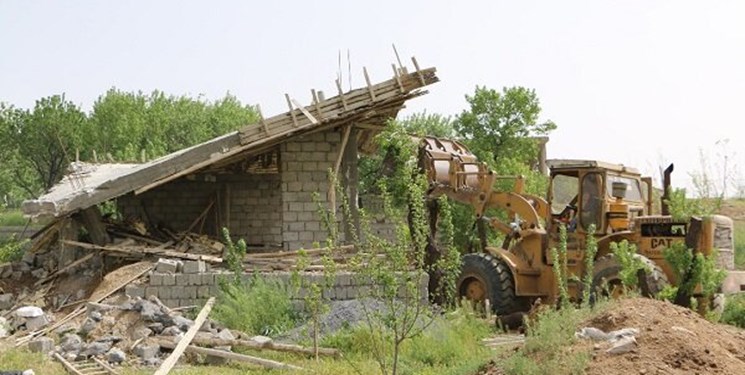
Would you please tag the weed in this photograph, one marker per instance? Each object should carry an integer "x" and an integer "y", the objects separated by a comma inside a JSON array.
[
  {"x": 10, "y": 218},
  {"x": 257, "y": 307},
  {"x": 630, "y": 264},
  {"x": 734, "y": 311},
  {"x": 11, "y": 250}
]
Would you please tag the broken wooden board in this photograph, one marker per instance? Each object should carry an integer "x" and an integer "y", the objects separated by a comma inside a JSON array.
[
  {"x": 168, "y": 364},
  {"x": 268, "y": 363}
]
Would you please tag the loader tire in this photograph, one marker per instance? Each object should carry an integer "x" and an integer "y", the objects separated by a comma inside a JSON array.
[
  {"x": 485, "y": 277},
  {"x": 607, "y": 282}
]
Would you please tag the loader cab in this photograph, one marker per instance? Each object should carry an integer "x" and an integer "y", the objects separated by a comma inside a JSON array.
[{"x": 582, "y": 193}]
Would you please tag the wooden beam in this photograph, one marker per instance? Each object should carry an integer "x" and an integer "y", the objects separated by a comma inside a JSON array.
[
  {"x": 305, "y": 112},
  {"x": 261, "y": 119},
  {"x": 317, "y": 103},
  {"x": 268, "y": 363},
  {"x": 168, "y": 364},
  {"x": 398, "y": 79},
  {"x": 67, "y": 365},
  {"x": 141, "y": 251},
  {"x": 341, "y": 95},
  {"x": 418, "y": 71},
  {"x": 369, "y": 85},
  {"x": 292, "y": 110},
  {"x": 92, "y": 220}
]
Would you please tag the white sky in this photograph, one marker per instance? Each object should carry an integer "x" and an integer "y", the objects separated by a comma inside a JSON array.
[{"x": 639, "y": 82}]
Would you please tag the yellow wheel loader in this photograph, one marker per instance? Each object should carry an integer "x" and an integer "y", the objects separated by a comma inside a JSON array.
[{"x": 614, "y": 198}]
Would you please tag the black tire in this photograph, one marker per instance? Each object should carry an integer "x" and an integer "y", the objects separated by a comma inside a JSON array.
[
  {"x": 484, "y": 277},
  {"x": 606, "y": 277}
]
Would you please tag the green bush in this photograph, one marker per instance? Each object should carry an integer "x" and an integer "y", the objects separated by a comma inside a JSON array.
[
  {"x": 734, "y": 311},
  {"x": 740, "y": 244},
  {"x": 630, "y": 263},
  {"x": 257, "y": 307},
  {"x": 11, "y": 250}
]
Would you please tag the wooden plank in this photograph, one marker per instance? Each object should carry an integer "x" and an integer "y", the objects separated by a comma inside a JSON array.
[
  {"x": 369, "y": 85},
  {"x": 168, "y": 364},
  {"x": 317, "y": 103},
  {"x": 341, "y": 95},
  {"x": 140, "y": 251},
  {"x": 305, "y": 112},
  {"x": 261, "y": 119},
  {"x": 92, "y": 221},
  {"x": 398, "y": 79},
  {"x": 269, "y": 345},
  {"x": 418, "y": 71},
  {"x": 292, "y": 111},
  {"x": 68, "y": 366},
  {"x": 267, "y": 363}
]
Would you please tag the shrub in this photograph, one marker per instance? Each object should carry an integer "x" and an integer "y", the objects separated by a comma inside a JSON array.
[
  {"x": 257, "y": 307},
  {"x": 630, "y": 263},
  {"x": 11, "y": 250},
  {"x": 734, "y": 311}
]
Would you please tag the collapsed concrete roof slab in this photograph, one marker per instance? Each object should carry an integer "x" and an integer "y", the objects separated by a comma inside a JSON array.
[{"x": 370, "y": 106}]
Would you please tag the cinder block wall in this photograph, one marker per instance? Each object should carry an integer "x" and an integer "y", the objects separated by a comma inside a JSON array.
[
  {"x": 187, "y": 289},
  {"x": 255, "y": 205},
  {"x": 304, "y": 170}
]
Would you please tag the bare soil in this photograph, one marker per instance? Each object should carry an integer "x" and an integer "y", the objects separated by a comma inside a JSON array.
[{"x": 671, "y": 340}]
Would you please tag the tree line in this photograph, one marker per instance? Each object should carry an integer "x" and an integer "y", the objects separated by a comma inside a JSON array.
[{"x": 38, "y": 144}]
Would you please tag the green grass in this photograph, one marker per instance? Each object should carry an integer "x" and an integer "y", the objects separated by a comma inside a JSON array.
[
  {"x": 545, "y": 350},
  {"x": 12, "y": 218},
  {"x": 22, "y": 359}
]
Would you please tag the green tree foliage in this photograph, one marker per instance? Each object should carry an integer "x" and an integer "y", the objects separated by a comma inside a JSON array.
[
  {"x": 38, "y": 144},
  {"x": 126, "y": 124},
  {"x": 498, "y": 126}
]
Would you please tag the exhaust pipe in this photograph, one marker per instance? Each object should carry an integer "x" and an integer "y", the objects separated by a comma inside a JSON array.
[{"x": 666, "y": 192}]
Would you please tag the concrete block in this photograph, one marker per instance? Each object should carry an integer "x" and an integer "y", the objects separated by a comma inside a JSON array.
[
  {"x": 292, "y": 146},
  {"x": 6, "y": 301},
  {"x": 133, "y": 290},
  {"x": 177, "y": 292},
  {"x": 164, "y": 293},
  {"x": 182, "y": 279},
  {"x": 308, "y": 146},
  {"x": 41, "y": 345},
  {"x": 156, "y": 279},
  {"x": 195, "y": 279},
  {"x": 190, "y": 292},
  {"x": 36, "y": 323},
  {"x": 166, "y": 266},
  {"x": 734, "y": 282},
  {"x": 169, "y": 279},
  {"x": 147, "y": 351},
  {"x": 333, "y": 137},
  {"x": 305, "y": 236},
  {"x": 343, "y": 278},
  {"x": 151, "y": 291},
  {"x": 203, "y": 292},
  {"x": 290, "y": 236},
  {"x": 194, "y": 266},
  {"x": 296, "y": 207},
  {"x": 208, "y": 278}
]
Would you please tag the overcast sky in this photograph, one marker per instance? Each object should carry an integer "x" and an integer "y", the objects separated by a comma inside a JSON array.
[{"x": 641, "y": 83}]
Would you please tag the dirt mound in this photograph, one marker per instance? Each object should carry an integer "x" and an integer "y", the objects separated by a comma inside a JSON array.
[{"x": 671, "y": 340}]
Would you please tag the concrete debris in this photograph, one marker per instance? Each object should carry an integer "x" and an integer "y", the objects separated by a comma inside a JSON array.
[
  {"x": 71, "y": 343},
  {"x": 621, "y": 341},
  {"x": 167, "y": 265},
  {"x": 182, "y": 323},
  {"x": 147, "y": 351},
  {"x": 29, "y": 312},
  {"x": 39, "y": 273},
  {"x": 116, "y": 356},
  {"x": 36, "y": 323},
  {"x": 225, "y": 334},
  {"x": 194, "y": 266},
  {"x": 41, "y": 345},
  {"x": 88, "y": 326},
  {"x": 96, "y": 348},
  {"x": 4, "y": 327},
  {"x": 172, "y": 331},
  {"x": 6, "y": 301},
  {"x": 623, "y": 345}
]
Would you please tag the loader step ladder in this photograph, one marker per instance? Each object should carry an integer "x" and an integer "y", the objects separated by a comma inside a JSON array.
[{"x": 93, "y": 366}]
